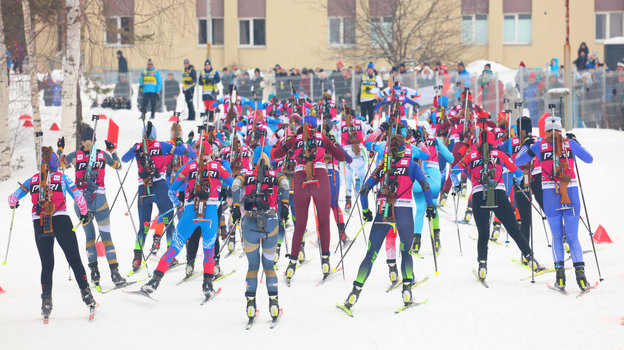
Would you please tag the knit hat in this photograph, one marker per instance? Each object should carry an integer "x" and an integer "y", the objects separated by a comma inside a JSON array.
[
  {"x": 86, "y": 133},
  {"x": 150, "y": 131},
  {"x": 47, "y": 154},
  {"x": 311, "y": 120},
  {"x": 553, "y": 123},
  {"x": 119, "y": 52},
  {"x": 522, "y": 64},
  {"x": 524, "y": 123},
  {"x": 370, "y": 65},
  {"x": 149, "y": 61},
  {"x": 207, "y": 62},
  {"x": 186, "y": 61}
]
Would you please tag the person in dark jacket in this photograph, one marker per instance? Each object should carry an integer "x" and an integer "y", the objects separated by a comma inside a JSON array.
[
  {"x": 172, "y": 91},
  {"x": 122, "y": 64}
]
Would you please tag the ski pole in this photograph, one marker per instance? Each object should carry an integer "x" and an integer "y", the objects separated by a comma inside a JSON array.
[
  {"x": 591, "y": 233},
  {"x": 127, "y": 206},
  {"x": 351, "y": 245},
  {"x": 336, "y": 196},
  {"x": 455, "y": 200},
  {"x": 228, "y": 237},
  {"x": 121, "y": 185},
  {"x": 539, "y": 211},
  {"x": 435, "y": 259},
  {"x": 6, "y": 255}
]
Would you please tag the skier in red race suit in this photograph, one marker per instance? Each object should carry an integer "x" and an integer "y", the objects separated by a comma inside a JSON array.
[{"x": 304, "y": 190}]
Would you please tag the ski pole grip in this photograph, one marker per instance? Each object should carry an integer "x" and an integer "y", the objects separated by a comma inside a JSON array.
[{"x": 95, "y": 117}]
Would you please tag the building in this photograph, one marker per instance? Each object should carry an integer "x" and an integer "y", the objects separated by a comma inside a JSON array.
[{"x": 312, "y": 33}]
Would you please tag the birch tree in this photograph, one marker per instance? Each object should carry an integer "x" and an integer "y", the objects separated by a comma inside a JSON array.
[
  {"x": 5, "y": 148},
  {"x": 71, "y": 72},
  {"x": 32, "y": 66}
]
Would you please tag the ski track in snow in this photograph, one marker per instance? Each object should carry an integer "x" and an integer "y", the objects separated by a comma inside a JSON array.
[{"x": 460, "y": 313}]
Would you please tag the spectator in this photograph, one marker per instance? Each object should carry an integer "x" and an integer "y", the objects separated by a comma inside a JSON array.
[
  {"x": 172, "y": 91},
  {"x": 304, "y": 83},
  {"x": 150, "y": 84},
  {"x": 122, "y": 64},
  {"x": 189, "y": 81},
  {"x": 553, "y": 66},
  {"x": 616, "y": 106},
  {"x": 426, "y": 77},
  {"x": 592, "y": 60},
  {"x": 531, "y": 93},
  {"x": 208, "y": 79},
  {"x": 462, "y": 81},
  {"x": 322, "y": 84},
  {"x": 237, "y": 73},
  {"x": 485, "y": 94},
  {"x": 122, "y": 88},
  {"x": 256, "y": 83},
  {"x": 370, "y": 84},
  {"x": 590, "y": 101},
  {"x": 268, "y": 84},
  {"x": 243, "y": 86},
  {"x": 581, "y": 59},
  {"x": 227, "y": 80},
  {"x": 19, "y": 58}
]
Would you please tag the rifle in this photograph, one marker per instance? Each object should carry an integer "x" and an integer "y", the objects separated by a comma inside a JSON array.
[
  {"x": 354, "y": 140},
  {"x": 175, "y": 163},
  {"x": 387, "y": 187},
  {"x": 201, "y": 188},
  {"x": 144, "y": 158},
  {"x": 560, "y": 166},
  {"x": 467, "y": 105},
  {"x": 486, "y": 173},
  {"x": 257, "y": 202},
  {"x": 90, "y": 177},
  {"x": 308, "y": 154},
  {"x": 232, "y": 112},
  {"x": 46, "y": 207}
]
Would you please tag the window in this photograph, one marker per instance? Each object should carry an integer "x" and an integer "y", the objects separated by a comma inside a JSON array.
[
  {"x": 215, "y": 32},
  {"x": 380, "y": 31},
  {"x": 609, "y": 25},
  {"x": 474, "y": 30},
  {"x": 120, "y": 31},
  {"x": 341, "y": 31},
  {"x": 517, "y": 29},
  {"x": 251, "y": 32}
]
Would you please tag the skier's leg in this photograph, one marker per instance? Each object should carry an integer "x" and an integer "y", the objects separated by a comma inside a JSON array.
[
  {"x": 348, "y": 179},
  {"x": 526, "y": 215},
  {"x": 323, "y": 207},
  {"x": 192, "y": 244},
  {"x": 302, "y": 202},
  {"x": 251, "y": 245},
  {"x": 376, "y": 238},
  {"x": 185, "y": 228},
  {"x": 89, "y": 237},
  {"x": 67, "y": 240},
  {"x": 482, "y": 221},
  {"x": 45, "y": 247},
  {"x": 102, "y": 216},
  {"x": 144, "y": 208},
  {"x": 209, "y": 234},
  {"x": 571, "y": 221},
  {"x": 269, "y": 245},
  {"x": 507, "y": 216},
  {"x": 404, "y": 226},
  {"x": 163, "y": 202}
]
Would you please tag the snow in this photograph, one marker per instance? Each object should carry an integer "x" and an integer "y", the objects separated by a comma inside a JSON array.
[{"x": 460, "y": 313}]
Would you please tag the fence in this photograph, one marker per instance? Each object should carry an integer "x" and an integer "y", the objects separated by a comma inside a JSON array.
[{"x": 597, "y": 95}]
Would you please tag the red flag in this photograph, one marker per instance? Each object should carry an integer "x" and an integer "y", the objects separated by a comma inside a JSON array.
[
  {"x": 2, "y": 291},
  {"x": 113, "y": 132},
  {"x": 102, "y": 116},
  {"x": 601, "y": 235},
  {"x": 173, "y": 119},
  {"x": 54, "y": 127},
  {"x": 28, "y": 124},
  {"x": 25, "y": 117}
]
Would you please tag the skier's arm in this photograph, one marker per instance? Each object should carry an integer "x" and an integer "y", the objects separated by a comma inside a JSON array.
[
  {"x": 128, "y": 156},
  {"x": 335, "y": 151},
  {"x": 371, "y": 182},
  {"x": 65, "y": 160},
  {"x": 226, "y": 176},
  {"x": 459, "y": 168},
  {"x": 281, "y": 150},
  {"x": 580, "y": 152},
  {"x": 416, "y": 174},
  {"x": 21, "y": 191},
  {"x": 527, "y": 153},
  {"x": 112, "y": 160},
  {"x": 446, "y": 153},
  {"x": 418, "y": 154},
  {"x": 75, "y": 193},
  {"x": 237, "y": 184},
  {"x": 284, "y": 188}
]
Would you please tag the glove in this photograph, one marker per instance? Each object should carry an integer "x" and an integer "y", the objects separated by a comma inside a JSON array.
[
  {"x": 384, "y": 126},
  {"x": 364, "y": 190},
  {"x": 109, "y": 146},
  {"x": 191, "y": 134},
  {"x": 571, "y": 136},
  {"x": 368, "y": 216},
  {"x": 456, "y": 189},
  {"x": 13, "y": 201},
  {"x": 528, "y": 141},
  {"x": 284, "y": 212},
  {"x": 61, "y": 143},
  {"x": 85, "y": 218},
  {"x": 223, "y": 195},
  {"x": 417, "y": 135},
  {"x": 236, "y": 213},
  {"x": 431, "y": 211}
]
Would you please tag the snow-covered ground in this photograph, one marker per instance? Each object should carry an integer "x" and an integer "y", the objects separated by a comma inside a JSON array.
[{"x": 460, "y": 313}]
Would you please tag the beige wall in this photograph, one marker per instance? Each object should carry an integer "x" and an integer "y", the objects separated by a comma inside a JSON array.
[{"x": 297, "y": 36}]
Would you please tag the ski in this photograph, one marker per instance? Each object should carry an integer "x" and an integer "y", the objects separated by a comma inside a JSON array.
[
  {"x": 301, "y": 263},
  {"x": 418, "y": 255},
  {"x": 188, "y": 278},
  {"x": 409, "y": 306},
  {"x": 220, "y": 277},
  {"x": 542, "y": 272},
  {"x": 126, "y": 284},
  {"x": 557, "y": 289},
  {"x": 542, "y": 268},
  {"x": 231, "y": 252},
  {"x": 475, "y": 238},
  {"x": 92, "y": 312},
  {"x": 345, "y": 309},
  {"x": 418, "y": 283},
  {"x": 97, "y": 287},
  {"x": 137, "y": 270},
  {"x": 393, "y": 286},
  {"x": 140, "y": 292},
  {"x": 327, "y": 277},
  {"x": 587, "y": 290},
  {"x": 414, "y": 285},
  {"x": 251, "y": 321},
  {"x": 275, "y": 321},
  {"x": 209, "y": 297},
  {"x": 482, "y": 281}
]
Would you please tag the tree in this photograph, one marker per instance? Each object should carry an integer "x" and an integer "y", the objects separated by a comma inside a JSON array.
[
  {"x": 32, "y": 66},
  {"x": 71, "y": 72},
  {"x": 5, "y": 148},
  {"x": 402, "y": 31}
]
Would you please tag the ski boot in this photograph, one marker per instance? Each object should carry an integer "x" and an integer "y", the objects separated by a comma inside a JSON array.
[
  {"x": 46, "y": 306},
  {"x": 393, "y": 273},
  {"x": 442, "y": 201},
  {"x": 190, "y": 267},
  {"x": 174, "y": 262},
  {"x": 95, "y": 274},
  {"x": 136, "y": 262},
  {"x": 416, "y": 244},
  {"x": 341, "y": 232},
  {"x": 524, "y": 260},
  {"x": 325, "y": 265},
  {"x": 290, "y": 270},
  {"x": 482, "y": 272},
  {"x": 156, "y": 244},
  {"x": 115, "y": 276},
  {"x": 581, "y": 280},
  {"x": 353, "y": 296},
  {"x": 217, "y": 269},
  {"x": 467, "y": 215},
  {"x": 495, "y": 231},
  {"x": 436, "y": 239},
  {"x": 207, "y": 286},
  {"x": 274, "y": 309},
  {"x": 533, "y": 264},
  {"x": 251, "y": 307},
  {"x": 277, "y": 252},
  {"x": 560, "y": 277},
  {"x": 301, "y": 257},
  {"x": 348, "y": 203},
  {"x": 464, "y": 190},
  {"x": 153, "y": 283},
  {"x": 407, "y": 292},
  {"x": 87, "y": 297}
]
